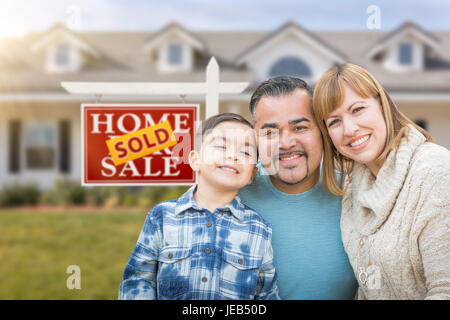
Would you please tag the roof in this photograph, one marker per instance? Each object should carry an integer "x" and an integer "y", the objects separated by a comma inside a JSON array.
[
  {"x": 60, "y": 31},
  {"x": 123, "y": 58},
  {"x": 176, "y": 30},
  {"x": 408, "y": 27},
  {"x": 293, "y": 27}
]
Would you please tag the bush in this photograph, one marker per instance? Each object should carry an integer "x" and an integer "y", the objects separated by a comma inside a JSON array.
[
  {"x": 64, "y": 192},
  {"x": 112, "y": 202},
  {"x": 96, "y": 196},
  {"x": 150, "y": 196},
  {"x": 111, "y": 197},
  {"x": 172, "y": 192},
  {"x": 116, "y": 197},
  {"x": 67, "y": 192},
  {"x": 130, "y": 199},
  {"x": 17, "y": 195}
]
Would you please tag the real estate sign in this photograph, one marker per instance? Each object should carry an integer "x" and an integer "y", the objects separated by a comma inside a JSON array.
[{"x": 137, "y": 144}]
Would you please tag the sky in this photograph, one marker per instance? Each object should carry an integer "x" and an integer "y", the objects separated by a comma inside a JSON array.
[{"x": 18, "y": 17}]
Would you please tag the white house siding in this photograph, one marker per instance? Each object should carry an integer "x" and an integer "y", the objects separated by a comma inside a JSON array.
[
  {"x": 436, "y": 114},
  {"x": 49, "y": 113}
]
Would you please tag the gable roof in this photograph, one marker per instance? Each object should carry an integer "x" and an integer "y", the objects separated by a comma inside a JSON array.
[
  {"x": 406, "y": 28},
  {"x": 175, "y": 29},
  {"x": 301, "y": 33},
  {"x": 60, "y": 30}
]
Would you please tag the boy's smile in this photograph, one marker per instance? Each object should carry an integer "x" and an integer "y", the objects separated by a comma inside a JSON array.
[{"x": 230, "y": 169}]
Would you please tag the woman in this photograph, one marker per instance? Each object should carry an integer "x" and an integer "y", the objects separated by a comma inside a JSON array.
[{"x": 395, "y": 208}]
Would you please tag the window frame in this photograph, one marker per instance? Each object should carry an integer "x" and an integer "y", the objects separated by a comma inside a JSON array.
[
  {"x": 53, "y": 146},
  {"x": 291, "y": 59}
]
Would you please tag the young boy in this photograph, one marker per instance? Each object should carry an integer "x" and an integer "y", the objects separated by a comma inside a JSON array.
[{"x": 207, "y": 244}]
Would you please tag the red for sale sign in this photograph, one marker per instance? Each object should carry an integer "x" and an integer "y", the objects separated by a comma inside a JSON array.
[{"x": 137, "y": 144}]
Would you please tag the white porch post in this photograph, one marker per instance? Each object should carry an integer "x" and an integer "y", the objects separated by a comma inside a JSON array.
[{"x": 212, "y": 88}]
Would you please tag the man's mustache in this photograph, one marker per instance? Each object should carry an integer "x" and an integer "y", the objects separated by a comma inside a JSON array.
[{"x": 290, "y": 152}]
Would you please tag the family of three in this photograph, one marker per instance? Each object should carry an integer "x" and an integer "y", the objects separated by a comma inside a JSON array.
[{"x": 331, "y": 194}]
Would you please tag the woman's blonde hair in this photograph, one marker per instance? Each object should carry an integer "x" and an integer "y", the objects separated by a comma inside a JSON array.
[{"x": 329, "y": 94}]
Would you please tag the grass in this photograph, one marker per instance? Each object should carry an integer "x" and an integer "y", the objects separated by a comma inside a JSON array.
[{"x": 37, "y": 247}]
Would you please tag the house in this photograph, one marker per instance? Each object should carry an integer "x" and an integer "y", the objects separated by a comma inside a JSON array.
[{"x": 40, "y": 122}]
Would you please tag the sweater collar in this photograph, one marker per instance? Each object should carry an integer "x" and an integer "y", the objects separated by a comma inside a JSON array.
[{"x": 373, "y": 198}]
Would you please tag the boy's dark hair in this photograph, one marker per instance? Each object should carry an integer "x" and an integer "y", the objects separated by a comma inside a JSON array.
[
  {"x": 275, "y": 87},
  {"x": 207, "y": 125}
]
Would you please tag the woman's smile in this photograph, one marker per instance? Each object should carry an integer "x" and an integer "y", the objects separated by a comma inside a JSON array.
[{"x": 359, "y": 143}]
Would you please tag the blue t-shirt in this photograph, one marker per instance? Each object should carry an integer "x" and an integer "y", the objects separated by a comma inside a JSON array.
[{"x": 306, "y": 238}]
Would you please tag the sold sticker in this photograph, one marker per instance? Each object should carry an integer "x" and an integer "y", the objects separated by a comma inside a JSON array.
[{"x": 141, "y": 143}]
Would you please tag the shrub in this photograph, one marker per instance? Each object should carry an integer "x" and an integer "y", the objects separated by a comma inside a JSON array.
[
  {"x": 172, "y": 192},
  {"x": 111, "y": 202},
  {"x": 150, "y": 196},
  {"x": 130, "y": 199},
  {"x": 17, "y": 195},
  {"x": 67, "y": 192},
  {"x": 116, "y": 196},
  {"x": 111, "y": 196},
  {"x": 97, "y": 195},
  {"x": 64, "y": 192}
]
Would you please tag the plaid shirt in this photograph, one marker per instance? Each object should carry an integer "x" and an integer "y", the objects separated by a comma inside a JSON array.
[{"x": 187, "y": 252}]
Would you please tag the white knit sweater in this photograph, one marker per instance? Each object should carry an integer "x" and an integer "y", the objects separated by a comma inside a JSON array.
[{"x": 396, "y": 226}]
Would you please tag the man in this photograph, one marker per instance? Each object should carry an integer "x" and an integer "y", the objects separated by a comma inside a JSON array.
[{"x": 308, "y": 252}]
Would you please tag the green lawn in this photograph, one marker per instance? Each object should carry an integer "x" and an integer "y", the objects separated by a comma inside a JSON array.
[{"x": 37, "y": 247}]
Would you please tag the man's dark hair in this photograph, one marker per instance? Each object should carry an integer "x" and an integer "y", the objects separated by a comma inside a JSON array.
[
  {"x": 206, "y": 126},
  {"x": 277, "y": 86}
]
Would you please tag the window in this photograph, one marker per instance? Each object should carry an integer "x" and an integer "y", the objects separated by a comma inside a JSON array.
[
  {"x": 40, "y": 146},
  {"x": 405, "y": 51},
  {"x": 174, "y": 54},
  {"x": 290, "y": 66},
  {"x": 62, "y": 53},
  {"x": 63, "y": 57}
]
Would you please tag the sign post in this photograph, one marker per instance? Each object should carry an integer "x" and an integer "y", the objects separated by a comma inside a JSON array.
[{"x": 123, "y": 160}]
